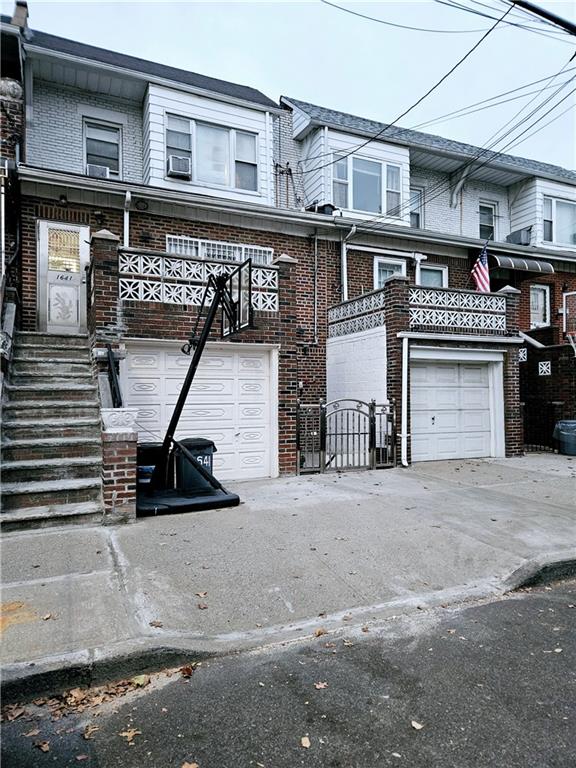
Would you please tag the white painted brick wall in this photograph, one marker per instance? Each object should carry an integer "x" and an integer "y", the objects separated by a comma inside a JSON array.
[
  {"x": 356, "y": 366},
  {"x": 55, "y": 138},
  {"x": 287, "y": 154}
]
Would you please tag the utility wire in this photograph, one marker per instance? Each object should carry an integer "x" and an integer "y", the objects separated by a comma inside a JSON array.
[
  {"x": 564, "y": 111},
  {"x": 416, "y": 103},
  {"x": 522, "y": 16},
  {"x": 401, "y": 26}
]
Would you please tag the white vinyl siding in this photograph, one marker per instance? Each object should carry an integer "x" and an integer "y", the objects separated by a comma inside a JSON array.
[
  {"x": 229, "y": 168},
  {"x": 313, "y": 157}
]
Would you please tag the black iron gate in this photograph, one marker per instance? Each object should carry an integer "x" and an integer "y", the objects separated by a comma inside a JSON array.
[
  {"x": 540, "y": 417},
  {"x": 345, "y": 434}
]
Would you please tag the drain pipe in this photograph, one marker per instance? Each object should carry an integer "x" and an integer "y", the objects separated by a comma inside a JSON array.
[
  {"x": 344, "y": 264},
  {"x": 316, "y": 286},
  {"x": 404, "y": 399},
  {"x": 127, "y": 203}
]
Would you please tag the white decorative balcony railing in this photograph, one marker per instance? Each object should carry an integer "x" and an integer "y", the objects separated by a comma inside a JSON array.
[
  {"x": 357, "y": 315},
  {"x": 173, "y": 280},
  {"x": 456, "y": 311}
]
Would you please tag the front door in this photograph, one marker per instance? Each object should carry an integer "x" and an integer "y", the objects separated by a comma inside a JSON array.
[{"x": 63, "y": 254}]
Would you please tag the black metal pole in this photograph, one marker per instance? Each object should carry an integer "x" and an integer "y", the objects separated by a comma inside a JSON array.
[
  {"x": 159, "y": 477},
  {"x": 538, "y": 11}
]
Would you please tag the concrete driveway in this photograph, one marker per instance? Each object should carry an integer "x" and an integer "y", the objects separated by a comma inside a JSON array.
[{"x": 300, "y": 554}]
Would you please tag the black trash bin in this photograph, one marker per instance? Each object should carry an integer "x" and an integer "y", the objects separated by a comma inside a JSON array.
[
  {"x": 565, "y": 434},
  {"x": 188, "y": 478},
  {"x": 146, "y": 458}
]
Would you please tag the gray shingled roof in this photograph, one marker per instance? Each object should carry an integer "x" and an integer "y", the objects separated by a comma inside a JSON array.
[
  {"x": 73, "y": 48},
  {"x": 424, "y": 141}
]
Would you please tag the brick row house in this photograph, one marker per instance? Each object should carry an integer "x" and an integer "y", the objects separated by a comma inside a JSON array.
[{"x": 138, "y": 181}]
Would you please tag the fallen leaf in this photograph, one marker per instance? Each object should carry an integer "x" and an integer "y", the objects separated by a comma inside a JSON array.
[
  {"x": 320, "y": 686},
  {"x": 320, "y": 631},
  {"x": 156, "y": 623},
  {"x": 451, "y": 631},
  {"x": 90, "y": 730},
  {"x": 44, "y": 746},
  {"x": 417, "y": 726},
  {"x": 557, "y": 650},
  {"x": 202, "y": 606},
  {"x": 261, "y": 685},
  {"x": 329, "y": 645},
  {"x": 33, "y": 732},
  {"x": 81, "y": 757},
  {"x": 190, "y": 765},
  {"x": 348, "y": 643},
  {"x": 201, "y": 594},
  {"x": 13, "y": 711},
  {"x": 187, "y": 670},
  {"x": 348, "y": 617},
  {"x": 130, "y": 734},
  {"x": 365, "y": 629},
  {"x": 47, "y": 616},
  {"x": 141, "y": 681},
  {"x": 305, "y": 742}
]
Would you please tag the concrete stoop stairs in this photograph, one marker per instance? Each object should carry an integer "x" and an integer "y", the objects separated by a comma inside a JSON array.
[{"x": 51, "y": 445}]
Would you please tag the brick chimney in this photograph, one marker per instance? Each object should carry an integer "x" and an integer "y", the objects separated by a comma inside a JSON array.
[{"x": 20, "y": 15}]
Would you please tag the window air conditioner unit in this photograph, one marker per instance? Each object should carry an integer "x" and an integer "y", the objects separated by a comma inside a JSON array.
[
  {"x": 98, "y": 171},
  {"x": 180, "y": 167}
]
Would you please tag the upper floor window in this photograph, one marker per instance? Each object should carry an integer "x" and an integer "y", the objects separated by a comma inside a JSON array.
[
  {"x": 559, "y": 221},
  {"x": 366, "y": 185},
  {"x": 102, "y": 143},
  {"x": 487, "y": 221},
  {"x": 385, "y": 268},
  {"x": 539, "y": 306},
  {"x": 434, "y": 276},
  {"x": 416, "y": 207},
  {"x": 211, "y": 154}
]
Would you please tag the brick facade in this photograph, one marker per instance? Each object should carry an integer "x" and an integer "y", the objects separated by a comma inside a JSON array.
[{"x": 119, "y": 476}]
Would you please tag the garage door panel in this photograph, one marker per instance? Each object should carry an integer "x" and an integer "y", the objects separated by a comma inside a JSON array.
[
  {"x": 475, "y": 420},
  {"x": 254, "y": 364},
  {"x": 473, "y": 397},
  {"x": 477, "y": 445},
  {"x": 447, "y": 446},
  {"x": 143, "y": 388},
  {"x": 139, "y": 362},
  {"x": 203, "y": 388},
  {"x": 474, "y": 375},
  {"x": 445, "y": 374},
  {"x": 448, "y": 397},
  {"x": 254, "y": 389},
  {"x": 446, "y": 421}
]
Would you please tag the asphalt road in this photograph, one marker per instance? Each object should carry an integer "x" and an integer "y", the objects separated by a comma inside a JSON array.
[{"x": 492, "y": 685}]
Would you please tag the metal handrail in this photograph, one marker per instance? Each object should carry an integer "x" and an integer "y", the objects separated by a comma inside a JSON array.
[{"x": 113, "y": 379}]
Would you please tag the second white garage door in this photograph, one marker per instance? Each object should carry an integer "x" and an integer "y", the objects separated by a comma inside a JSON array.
[
  {"x": 231, "y": 402},
  {"x": 450, "y": 410}
]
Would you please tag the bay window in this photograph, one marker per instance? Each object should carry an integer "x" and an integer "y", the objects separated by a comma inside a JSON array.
[
  {"x": 559, "y": 221},
  {"x": 371, "y": 186}
]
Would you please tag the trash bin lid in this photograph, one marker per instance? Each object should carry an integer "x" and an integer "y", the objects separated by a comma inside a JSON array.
[{"x": 198, "y": 443}]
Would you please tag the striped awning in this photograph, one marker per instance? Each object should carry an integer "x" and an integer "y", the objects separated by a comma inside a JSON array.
[{"x": 524, "y": 265}]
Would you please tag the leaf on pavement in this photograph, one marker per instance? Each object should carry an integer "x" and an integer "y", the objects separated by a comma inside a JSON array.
[
  {"x": 305, "y": 742},
  {"x": 48, "y": 616},
  {"x": 190, "y": 765},
  {"x": 365, "y": 628},
  {"x": 187, "y": 670},
  {"x": 156, "y": 623},
  {"x": 416, "y": 725},
  {"x": 129, "y": 734},
  {"x": 90, "y": 730},
  {"x": 202, "y": 606},
  {"x": 33, "y": 732},
  {"x": 141, "y": 681},
  {"x": 320, "y": 631},
  {"x": 348, "y": 643},
  {"x": 43, "y": 746},
  {"x": 201, "y": 594},
  {"x": 13, "y": 711},
  {"x": 320, "y": 686},
  {"x": 81, "y": 757}
]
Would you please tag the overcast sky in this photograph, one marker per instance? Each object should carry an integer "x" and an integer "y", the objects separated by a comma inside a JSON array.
[{"x": 318, "y": 53}]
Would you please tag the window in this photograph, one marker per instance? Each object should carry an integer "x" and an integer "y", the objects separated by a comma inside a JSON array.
[
  {"x": 416, "y": 206},
  {"x": 102, "y": 145},
  {"x": 539, "y": 306},
  {"x": 434, "y": 277},
  {"x": 366, "y": 185},
  {"x": 385, "y": 268},
  {"x": 559, "y": 221},
  {"x": 487, "y": 221},
  {"x": 220, "y": 156}
]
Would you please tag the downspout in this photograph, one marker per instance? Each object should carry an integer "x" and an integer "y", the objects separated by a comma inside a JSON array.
[
  {"x": 344, "y": 264},
  {"x": 418, "y": 258},
  {"x": 404, "y": 398},
  {"x": 316, "y": 286},
  {"x": 127, "y": 202}
]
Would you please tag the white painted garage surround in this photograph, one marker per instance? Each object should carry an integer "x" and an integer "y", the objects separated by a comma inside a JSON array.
[
  {"x": 456, "y": 409},
  {"x": 232, "y": 401}
]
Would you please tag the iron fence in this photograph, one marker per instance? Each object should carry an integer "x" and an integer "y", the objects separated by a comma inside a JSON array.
[{"x": 539, "y": 419}]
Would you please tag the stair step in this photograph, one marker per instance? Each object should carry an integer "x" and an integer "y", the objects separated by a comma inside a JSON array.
[
  {"x": 51, "y": 377},
  {"x": 51, "y": 448},
  {"x": 48, "y": 339},
  {"x": 51, "y": 515},
  {"x": 47, "y": 492},
  {"x": 51, "y": 409},
  {"x": 49, "y": 365},
  {"x": 21, "y": 429},
  {"x": 53, "y": 391},
  {"x": 56, "y": 351},
  {"x": 36, "y": 470}
]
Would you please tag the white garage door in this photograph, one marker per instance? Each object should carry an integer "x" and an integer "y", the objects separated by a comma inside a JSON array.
[
  {"x": 450, "y": 410},
  {"x": 230, "y": 402}
]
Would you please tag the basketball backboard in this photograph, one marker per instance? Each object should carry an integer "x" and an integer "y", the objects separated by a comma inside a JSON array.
[{"x": 237, "y": 300}]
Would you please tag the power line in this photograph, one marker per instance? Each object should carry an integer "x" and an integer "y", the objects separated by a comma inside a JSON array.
[
  {"x": 401, "y": 26},
  {"x": 419, "y": 101},
  {"x": 564, "y": 111},
  {"x": 520, "y": 15}
]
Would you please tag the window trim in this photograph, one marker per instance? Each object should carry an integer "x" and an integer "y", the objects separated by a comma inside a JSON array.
[
  {"x": 232, "y": 130},
  {"x": 494, "y": 206},
  {"x": 86, "y": 121},
  {"x": 383, "y": 184},
  {"x": 434, "y": 268},
  {"x": 420, "y": 191},
  {"x": 386, "y": 260},
  {"x": 554, "y": 201},
  {"x": 545, "y": 288}
]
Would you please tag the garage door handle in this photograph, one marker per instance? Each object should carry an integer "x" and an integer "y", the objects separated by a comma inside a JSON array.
[{"x": 433, "y": 419}]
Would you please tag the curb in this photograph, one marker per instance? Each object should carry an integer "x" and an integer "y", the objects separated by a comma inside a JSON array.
[{"x": 89, "y": 667}]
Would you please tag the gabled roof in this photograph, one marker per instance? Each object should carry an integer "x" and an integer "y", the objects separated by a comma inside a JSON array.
[
  {"x": 52, "y": 43},
  {"x": 424, "y": 141}
]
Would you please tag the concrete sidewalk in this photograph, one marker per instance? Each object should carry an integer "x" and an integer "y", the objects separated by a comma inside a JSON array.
[{"x": 299, "y": 554}]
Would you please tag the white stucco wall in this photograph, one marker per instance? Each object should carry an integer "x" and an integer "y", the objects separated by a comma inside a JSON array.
[{"x": 356, "y": 366}]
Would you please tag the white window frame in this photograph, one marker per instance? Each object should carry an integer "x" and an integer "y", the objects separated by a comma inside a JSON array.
[
  {"x": 554, "y": 201},
  {"x": 442, "y": 268},
  {"x": 546, "y": 290},
  {"x": 494, "y": 207},
  {"x": 232, "y": 131},
  {"x": 383, "y": 184},
  {"x": 86, "y": 121},
  {"x": 386, "y": 260},
  {"x": 420, "y": 192}
]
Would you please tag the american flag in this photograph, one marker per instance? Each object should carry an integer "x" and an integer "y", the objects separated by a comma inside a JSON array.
[{"x": 480, "y": 273}]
